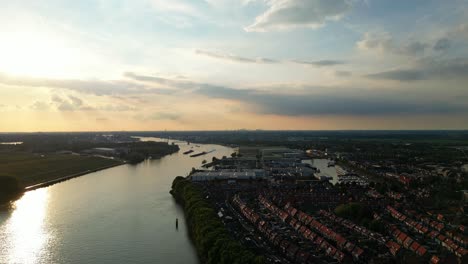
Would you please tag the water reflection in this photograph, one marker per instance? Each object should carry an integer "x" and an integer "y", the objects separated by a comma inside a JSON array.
[
  {"x": 120, "y": 215},
  {"x": 24, "y": 231}
]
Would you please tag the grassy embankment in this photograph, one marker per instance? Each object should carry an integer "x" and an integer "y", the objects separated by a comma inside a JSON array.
[
  {"x": 211, "y": 239},
  {"x": 20, "y": 169}
]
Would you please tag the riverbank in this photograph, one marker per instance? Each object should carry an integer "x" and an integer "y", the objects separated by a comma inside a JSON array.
[
  {"x": 30, "y": 169},
  {"x": 211, "y": 239},
  {"x": 65, "y": 178},
  {"x": 33, "y": 171}
]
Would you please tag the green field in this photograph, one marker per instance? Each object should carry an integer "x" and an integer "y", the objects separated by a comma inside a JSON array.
[{"x": 32, "y": 169}]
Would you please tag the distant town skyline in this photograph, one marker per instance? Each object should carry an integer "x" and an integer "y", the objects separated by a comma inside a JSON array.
[{"x": 109, "y": 65}]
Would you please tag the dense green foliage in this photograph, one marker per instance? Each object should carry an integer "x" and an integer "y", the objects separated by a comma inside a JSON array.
[
  {"x": 126, "y": 147},
  {"x": 9, "y": 189},
  {"x": 213, "y": 242},
  {"x": 360, "y": 214},
  {"x": 353, "y": 211},
  {"x": 30, "y": 169}
]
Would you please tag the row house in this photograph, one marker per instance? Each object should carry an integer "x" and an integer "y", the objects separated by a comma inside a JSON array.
[
  {"x": 353, "y": 227},
  {"x": 330, "y": 234},
  {"x": 408, "y": 242},
  {"x": 319, "y": 241},
  {"x": 393, "y": 247}
]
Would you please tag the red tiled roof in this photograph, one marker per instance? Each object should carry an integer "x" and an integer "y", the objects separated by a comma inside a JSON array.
[
  {"x": 433, "y": 234},
  {"x": 421, "y": 251},
  {"x": 408, "y": 242},
  {"x": 302, "y": 229},
  {"x": 415, "y": 246},
  {"x": 340, "y": 241},
  {"x": 312, "y": 235},
  {"x": 461, "y": 251},
  {"x": 402, "y": 237},
  {"x": 394, "y": 247},
  {"x": 435, "y": 259},
  {"x": 441, "y": 238},
  {"x": 318, "y": 240},
  {"x": 293, "y": 211},
  {"x": 293, "y": 222}
]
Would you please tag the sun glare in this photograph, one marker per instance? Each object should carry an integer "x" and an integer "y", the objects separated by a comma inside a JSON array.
[
  {"x": 34, "y": 54},
  {"x": 26, "y": 228}
]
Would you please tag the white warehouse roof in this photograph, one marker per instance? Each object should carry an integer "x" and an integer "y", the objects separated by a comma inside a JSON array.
[{"x": 223, "y": 175}]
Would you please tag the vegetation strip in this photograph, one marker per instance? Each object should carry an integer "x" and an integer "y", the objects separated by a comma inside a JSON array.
[{"x": 210, "y": 237}]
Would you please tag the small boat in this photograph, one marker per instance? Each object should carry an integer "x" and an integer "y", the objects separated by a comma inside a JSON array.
[
  {"x": 188, "y": 152},
  {"x": 198, "y": 154}
]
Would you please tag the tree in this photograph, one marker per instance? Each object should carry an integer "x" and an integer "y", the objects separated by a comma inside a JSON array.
[
  {"x": 354, "y": 211},
  {"x": 211, "y": 239},
  {"x": 9, "y": 188}
]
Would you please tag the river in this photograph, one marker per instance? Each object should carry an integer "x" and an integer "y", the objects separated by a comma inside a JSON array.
[{"x": 123, "y": 214}]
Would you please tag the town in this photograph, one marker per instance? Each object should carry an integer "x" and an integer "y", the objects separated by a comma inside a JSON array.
[{"x": 335, "y": 204}]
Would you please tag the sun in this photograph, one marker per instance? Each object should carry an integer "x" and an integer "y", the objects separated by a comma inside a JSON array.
[{"x": 35, "y": 54}]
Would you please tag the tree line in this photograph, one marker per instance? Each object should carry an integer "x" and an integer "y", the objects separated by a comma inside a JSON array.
[
  {"x": 10, "y": 189},
  {"x": 211, "y": 239}
]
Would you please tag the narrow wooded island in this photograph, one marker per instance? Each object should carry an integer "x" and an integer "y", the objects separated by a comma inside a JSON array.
[{"x": 209, "y": 235}]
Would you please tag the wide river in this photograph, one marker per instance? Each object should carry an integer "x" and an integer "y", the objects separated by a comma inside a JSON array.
[{"x": 120, "y": 215}]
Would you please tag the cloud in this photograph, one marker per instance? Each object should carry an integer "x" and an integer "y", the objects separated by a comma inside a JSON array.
[
  {"x": 116, "y": 108},
  {"x": 177, "y": 13},
  {"x": 442, "y": 44},
  {"x": 71, "y": 103},
  {"x": 343, "y": 73},
  {"x": 414, "y": 48},
  {"x": 330, "y": 103},
  {"x": 39, "y": 106},
  {"x": 384, "y": 43},
  {"x": 159, "y": 115},
  {"x": 286, "y": 14},
  {"x": 462, "y": 31},
  {"x": 173, "y": 83},
  {"x": 308, "y": 100},
  {"x": 234, "y": 58},
  {"x": 427, "y": 70},
  {"x": 95, "y": 87},
  {"x": 320, "y": 63},
  {"x": 175, "y": 6},
  {"x": 165, "y": 116},
  {"x": 380, "y": 42}
]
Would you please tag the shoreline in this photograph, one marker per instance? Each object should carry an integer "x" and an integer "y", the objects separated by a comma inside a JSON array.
[
  {"x": 205, "y": 227},
  {"x": 68, "y": 177}
]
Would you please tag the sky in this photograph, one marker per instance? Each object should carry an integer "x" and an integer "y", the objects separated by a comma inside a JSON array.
[{"x": 112, "y": 65}]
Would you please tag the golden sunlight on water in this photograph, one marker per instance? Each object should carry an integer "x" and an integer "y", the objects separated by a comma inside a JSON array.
[{"x": 25, "y": 228}]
